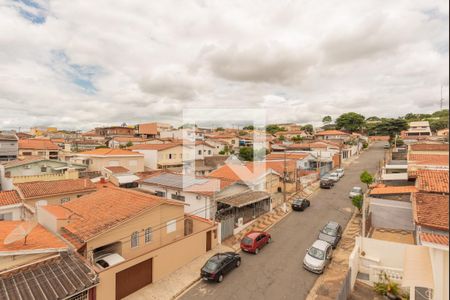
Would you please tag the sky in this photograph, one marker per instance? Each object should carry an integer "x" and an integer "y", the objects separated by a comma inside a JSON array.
[{"x": 78, "y": 64}]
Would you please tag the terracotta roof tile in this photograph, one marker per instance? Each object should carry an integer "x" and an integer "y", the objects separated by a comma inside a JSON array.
[
  {"x": 428, "y": 159},
  {"x": 101, "y": 210},
  {"x": 429, "y": 147},
  {"x": 431, "y": 210},
  {"x": 157, "y": 147},
  {"x": 434, "y": 238},
  {"x": 295, "y": 156},
  {"x": 436, "y": 181},
  {"x": 117, "y": 169},
  {"x": 388, "y": 190},
  {"x": 39, "y": 189},
  {"x": 38, "y": 239},
  {"x": 332, "y": 132},
  {"x": 110, "y": 152},
  {"x": 37, "y": 144},
  {"x": 132, "y": 139},
  {"x": 9, "y": 198}
]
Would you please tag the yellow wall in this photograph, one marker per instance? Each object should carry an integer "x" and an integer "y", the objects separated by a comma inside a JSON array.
[
  {"x": 46, "y": 177},
  {"x": 99, "y": 163}
]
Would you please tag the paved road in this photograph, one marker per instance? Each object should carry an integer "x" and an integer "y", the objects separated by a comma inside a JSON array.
[{"x": 277, "y": 272}]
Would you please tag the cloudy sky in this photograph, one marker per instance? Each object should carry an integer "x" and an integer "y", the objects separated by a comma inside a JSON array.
[{"x": 76, "y": 64}]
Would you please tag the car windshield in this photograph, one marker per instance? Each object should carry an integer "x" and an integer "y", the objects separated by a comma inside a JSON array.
[
  {"x": 211, "y": 266},
  {"x": 247, "y": 241},
  {"x": 356, "y": 190},
  {"x": 329, "y": 231},
  {"x": 316, "y": 253}
]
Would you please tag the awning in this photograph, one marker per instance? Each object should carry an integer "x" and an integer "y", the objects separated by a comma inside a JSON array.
[
  {"x": 244, "y": 199},
  {"x": 417, "y": 270}
]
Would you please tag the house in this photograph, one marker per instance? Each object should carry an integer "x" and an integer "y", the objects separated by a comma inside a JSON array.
[
  {"x": 427, "y": 161},
  {"x": 24, "y": 135},
  {"x": 163, "y": 156},
  {"x": 231, "y": 139},
  {"x": 125, "y": 141},
  {"x": 198, "y": 193},
  {"x": 82, "y": 145},
  {"x": 42, "y": 267},
  {"x": 42, "y": 131},
  {"x": 152, "y": 130},
  {"x": 114, "y": 131},
  {"x": 183, "y": 134},
  {"x": 39, "y": 147},
  {"x": 38, "y": 193},
  {"x": 333, "y": 135},
  {"x": 93, "y": 136},
  {"x": 11, "y": 206},
  {"x": 432, "y": 181},
  {"x": 290, "y": 126},
  {"x": 220, "y": 147},
  {"x": 9, "y": 148},
  {"x": 442, "y": 132},
  {"x": 98, "y": 159},
  {"x": 121, "y": 177},
  {"x": 149, "y": 236},
  {"x": 399, "y": 193},
  {"x": 427, "y": 148},
  {"x": 293, "y": 134},
  {"x": 420, "y": 128}
]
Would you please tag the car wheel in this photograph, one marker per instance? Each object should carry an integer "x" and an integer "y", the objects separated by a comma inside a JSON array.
[
  {"x": 238, "y": 263},
  {"x": 220, "y": 278},
  {"x": 257, "y": 251}
]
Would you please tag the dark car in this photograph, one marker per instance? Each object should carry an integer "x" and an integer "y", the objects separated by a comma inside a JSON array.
[
  {"x": 254, "y": 241},
  {"x": 326, "y": 183},
  {"x": 331, "y": 233},
  {"x": 300, "y": 204},
  {"x": 219, "y": 265}
]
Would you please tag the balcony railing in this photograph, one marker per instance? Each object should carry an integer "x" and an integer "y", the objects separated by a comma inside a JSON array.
[{"x": 393, "y": 274}]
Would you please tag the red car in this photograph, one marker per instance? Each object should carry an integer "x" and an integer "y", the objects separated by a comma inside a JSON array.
[{"x": 254, "y": 241}]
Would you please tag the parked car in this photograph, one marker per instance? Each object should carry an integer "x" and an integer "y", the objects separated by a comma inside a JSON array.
[
  {"x": 317, "y": 257},
  {"x": 340, "y": 172},
  {"x": 334, "y": 176},
  {"x": 108, "y": 260},
  {"x": 220, "y": 264},
  {"x": 356, "y": 191},
  {"x": 255, "y": 241},
  {"x": 300, "y": 204},
  {"x": 331, "y": 233},
  {"x": 326, "y": 183},
  {"x": 387, "y": 146}
]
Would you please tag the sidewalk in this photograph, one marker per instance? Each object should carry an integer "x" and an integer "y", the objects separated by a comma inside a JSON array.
[{"x": 177, "y": 282}]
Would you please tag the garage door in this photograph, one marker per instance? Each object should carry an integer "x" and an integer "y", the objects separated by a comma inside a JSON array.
[{"x": 133, "y": 278}]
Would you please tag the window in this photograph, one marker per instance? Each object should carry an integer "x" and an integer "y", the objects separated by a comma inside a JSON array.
[
  {"x": 170, "y": 156},
  {"x": 26, "y": 153},
  {"x": 199, "y": 152},
  {"x": 160, "y": 194},
  {"x": 177, "y": 197},
  {"x": 43, "y": 169},
  {"x": 134, "y": 239},
  {"x": 6, "y": 217},
  {"x": 171, "y": 226},
  {"x": 148, "y": 235},
  {"x": 64, "y": 200},
  {"x": 209, "y": 152},
  {"x": 132, "y": 163}
]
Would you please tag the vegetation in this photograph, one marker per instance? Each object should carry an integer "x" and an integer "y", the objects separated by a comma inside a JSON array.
[
  {"x": 327, "y": 120},
  {"x": 273, "y": 128},
  {"x": 297, "y": 138},
  {"x": 308, "y": 128},
  {"x": 366, "y": 178},
  {"x": 386, "y": 126},
  {"x": 365, "y": 145},
  {"x": 220, "y": 129},
  {"x": 357, "y": 202},
  {"x": 282, "y": 138},
  {"x": 387, "y": 287},
  {"x": 248, "y": 154},
  {"x": 350, "y": 121},
  {"x": 249, "y": 127}
]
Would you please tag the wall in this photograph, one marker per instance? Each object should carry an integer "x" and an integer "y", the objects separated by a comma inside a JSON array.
[
  {"x": 391, "y": 214},
  {"x": 55, "y": 199},
  {"x": 389, "y": 254},
  {"x": 165, "y": 261},
  {"x": 46, "y": 177},
  {"x": 15, "y": 210},
  {"x": 439, "y": 263},
  {"x": 99, "y": 163},
  {"x": 150, "y": 158}
]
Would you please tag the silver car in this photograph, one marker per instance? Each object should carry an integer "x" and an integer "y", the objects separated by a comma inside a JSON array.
[
  {"x": 334, "y": 176},
  {"x": 340, "y": 172},
  {"x": 317, "y": 257},
  {"x": 356, "y": 191}
]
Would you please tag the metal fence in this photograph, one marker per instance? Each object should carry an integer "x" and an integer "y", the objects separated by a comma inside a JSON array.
[{"x": 346, "y": 288}]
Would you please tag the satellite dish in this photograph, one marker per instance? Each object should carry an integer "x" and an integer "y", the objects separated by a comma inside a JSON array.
[{"x": 20, "y": 232}]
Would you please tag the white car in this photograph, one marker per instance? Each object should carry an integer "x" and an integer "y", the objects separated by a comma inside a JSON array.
[
  {"x": 340, "y": 172},
  {"x": 356, "y": 191},
  {"x": 317, "y": 257},
  {"x": 334, "y": 176},
  {"x": 108, "y": 260}
]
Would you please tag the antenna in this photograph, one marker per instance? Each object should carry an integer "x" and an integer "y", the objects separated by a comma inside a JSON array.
[{"x": 20, "y": 232}]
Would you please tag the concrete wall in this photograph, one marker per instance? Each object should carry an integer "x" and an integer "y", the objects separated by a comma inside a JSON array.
[
  {"x": 391, "y": 214},
  {"x": 46, "y": 177},
  {"x": 55, "y": 199},
  {"x": 439, "y": 263},
  {"x": 389, "y": 254},
  {"x": 14, "y": 211},
  {"x": 132, "y": 163}
]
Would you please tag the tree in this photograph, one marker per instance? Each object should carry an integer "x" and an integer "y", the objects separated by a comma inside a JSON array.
[
  {"x": 249, "y": 127},
  {"x": 220, "y": 129},
  {"x": 129, "y": 144},
  {"x": 281, "y": 138},
  {"x": 387, "y": 126},
  {"x": 327, "y": 120},
  {"x": 297, "y": 138},
  {"x": 308, "y": 128},
  {"x": 246, "y": 153},
  {"x": 273, "y": 128},
  {"x": 366, "y": 178},
  {"x": 357, "y": 202},
  {"x": 350, "y": 121},
  {"x": 439, "y": 124}
]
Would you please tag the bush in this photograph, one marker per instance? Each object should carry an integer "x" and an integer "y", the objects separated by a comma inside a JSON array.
[
  {"x": 366, "y": 178},
  {"x": 357, "y": 202},
  {"x": 365, "y": 145}
]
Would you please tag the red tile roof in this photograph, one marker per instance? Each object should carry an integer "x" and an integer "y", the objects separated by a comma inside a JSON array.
[
  {"x": 148, "y": 128},
  {"x": 37, "y": 144},
  {"x": 435, "y": 181},
  {"x": 101, "y": 210},
  {"x": 110, "y": 152},
  {"x": 428, "y": 159},
  {"x": 389, "y": 190},
  {"x": 157, "y": 147},
  {"x": 9, "y": 198},
  {"x": 332, "y": 132},
  {"x": 429, "y": 147},
  {"x": 431, "y": 210},
  {"x": 434, "y": 238},
  {"x": 38, "y": 239},
  {"x": 40, "y": 189},
  {"x": 117, "y": 169},
  {"x": 132, "y": 139},
  {"x": 277, "y": 156},
  {"x": 307, "y": 145},
  {"x": 277, "y": 166}
]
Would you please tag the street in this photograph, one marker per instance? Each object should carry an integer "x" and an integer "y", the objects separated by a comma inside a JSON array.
[{"x": 277, "y": 272}]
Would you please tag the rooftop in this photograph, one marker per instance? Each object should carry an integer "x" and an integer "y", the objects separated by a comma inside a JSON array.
[
  {"x": 109, "y": 152},
  {"x": 295, "y": 156},
  {"x": 389, "y": 190},
  {"x": 37, "y": 144},
  {"x": 243, "y": 199},
  {"x": 39, "y": 189},
  {"x": 428, "y": 159},
  {"x": 9, "y": 198},
  {"x": 436, "y": 181},
  {"x": 331, "y": 132},
  {"x": 431, "y": 210},
  {"x": 392, "y": 235},
  {"x": 117, "y": 169},
  {"x": 157, "y": 147},
  {"x": 434, "y": 238},
  {"x": 429, "y": 147}
]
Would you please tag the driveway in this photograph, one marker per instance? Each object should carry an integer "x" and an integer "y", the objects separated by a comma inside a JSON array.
[{"x": 277, "y": 272}]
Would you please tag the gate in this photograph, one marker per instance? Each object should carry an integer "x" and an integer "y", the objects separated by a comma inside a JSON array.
[{"x": 227, "y": 227}]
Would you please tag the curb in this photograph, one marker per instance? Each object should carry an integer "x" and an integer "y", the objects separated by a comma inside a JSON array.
[{"x": 186, "y": 289}]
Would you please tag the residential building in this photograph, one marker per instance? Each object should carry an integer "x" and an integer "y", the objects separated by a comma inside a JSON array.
[
  {"x": 220, "y": 147},
  {"x": 121, "y": 177},
  {"x": 82, "y": 145},
  {"x": 11, "y": 206},
  {"x": 150, "y": 236},
  {"x": 428, "y": 148},
  {"x": 432, "y": 181},
  {"x": 9, "y": 148},
  {"x": 428, "y": 161},
  {"x": 152, "y": 130},
  {"x": 38, "y": 193},
  {"x": 336, "y": 135},
  {"x": 420, "y": 128},
  {"x": 183, "y": 134},
  {"x": 442, "y": 132},
  {"x": 98, "y": 159},
  {"x": 114, "y": 131},
  {"x": 163, "y": 156},
  {"x": 42, "y": 131},
  {"x": 39, "y": 147},
  {"x": 125, "y": 141},
  {"x": 232, "y": 140},
  {"x": 290, "y": 134}
]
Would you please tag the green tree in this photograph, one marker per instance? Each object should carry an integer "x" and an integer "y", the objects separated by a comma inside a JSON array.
[
  {"x": 439, "y": 124},
  {"x": 387, "y": 126},
  {"x": 327, "y": 120},
  {"x": 357, "y": 202},
  {"x": 308, "y": 128},
  {"x": 220, "y": 129},
  {"x": 350, "y": 121},
  {"x": 249, "y": 127},
  {"x": 297, "y": 138},
  {"x": 273, "y": 128},
  {"x": 282, "y": 138},
  {"x": 129, "y": 144},
  {"x": 246, "y": 153},
  {"x": 366, "y": 178}
]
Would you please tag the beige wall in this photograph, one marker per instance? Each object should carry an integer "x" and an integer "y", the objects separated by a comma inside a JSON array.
[
  {"x": 46, "y": 177},
  {"x": 55, "y": 199},
  {"x": 165, "y": 260},
  {"x": 8, "y": 262},
  {"x": 42, "y": 153},
  {"x": 132, "y": 163}
]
